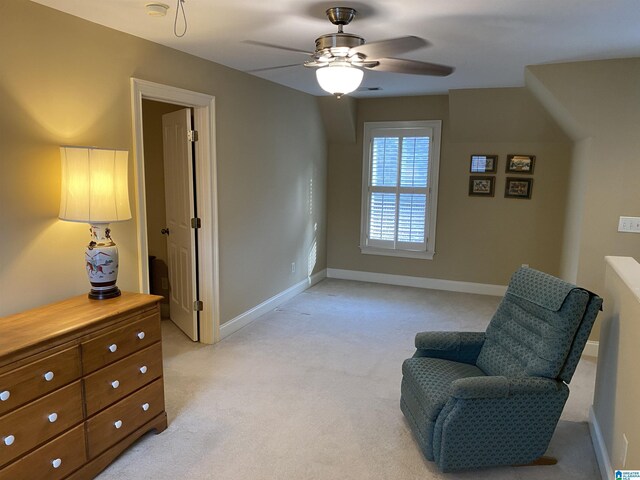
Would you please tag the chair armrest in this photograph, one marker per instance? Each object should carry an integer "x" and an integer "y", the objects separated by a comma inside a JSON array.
[
  {"x": 457, "y": 346},
  {"x": 501, "y": 387}
]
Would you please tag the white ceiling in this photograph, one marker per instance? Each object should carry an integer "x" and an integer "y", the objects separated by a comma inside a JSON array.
[{"x": 489, "y": 42}]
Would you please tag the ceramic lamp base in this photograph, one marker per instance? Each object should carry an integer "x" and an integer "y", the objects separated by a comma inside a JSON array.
[{"x": 101, "y": 259}]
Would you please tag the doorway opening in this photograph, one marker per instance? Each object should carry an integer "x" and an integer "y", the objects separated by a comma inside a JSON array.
[
  {"x": 170, "y": 175},
  {"x": 198, "y": 223}
]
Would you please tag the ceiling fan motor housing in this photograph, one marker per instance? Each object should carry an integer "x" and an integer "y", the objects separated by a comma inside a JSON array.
[{"x": 337, "y": 43}]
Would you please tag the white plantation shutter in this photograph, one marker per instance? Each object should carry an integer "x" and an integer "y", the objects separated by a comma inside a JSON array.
[
  {"x": 411, "y": 214},
  {"x": 382, "y": 221},
  {"x": 384, "y": 162},
  {"x": 398, "y": 161}
]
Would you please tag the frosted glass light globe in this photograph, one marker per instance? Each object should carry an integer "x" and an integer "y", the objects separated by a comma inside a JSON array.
[{"x": 339, "y": 79}]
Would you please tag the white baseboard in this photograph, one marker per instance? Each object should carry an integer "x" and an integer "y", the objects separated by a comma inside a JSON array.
[
  {"x": 591, "y": 348},
  {"x": 602, "y": 455},
  {"x": 249, "y": 316},
  {"x": 418, "y": 282}
]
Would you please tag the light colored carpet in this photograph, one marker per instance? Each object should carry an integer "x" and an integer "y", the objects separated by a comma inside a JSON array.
[{"x": 311, "y": 391}]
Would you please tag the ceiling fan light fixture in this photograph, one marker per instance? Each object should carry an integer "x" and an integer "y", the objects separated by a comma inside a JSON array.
[{"x": 339, "y": 79}]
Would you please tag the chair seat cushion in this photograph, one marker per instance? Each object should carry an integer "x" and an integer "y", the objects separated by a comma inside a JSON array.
[{"x": 431, "y": 378}]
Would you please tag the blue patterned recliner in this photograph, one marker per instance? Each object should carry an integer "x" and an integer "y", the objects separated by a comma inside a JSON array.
[{"x": 479, "y": 399}]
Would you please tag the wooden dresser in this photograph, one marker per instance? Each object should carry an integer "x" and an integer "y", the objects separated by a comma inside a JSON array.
[{"x": 80, "y": 381}]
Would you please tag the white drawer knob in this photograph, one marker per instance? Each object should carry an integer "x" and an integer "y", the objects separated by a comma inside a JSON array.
[
  {"x": 117, "y": 423},
  {"x": 143, "y": 369},
  {"x": 53, "y": 417},
  {"x": 140, "y": 335},
  {"x": 9, "y": 439},
  {"x": 48, "y": 376},
  {"x": 115, "y": 384},
  {"x": 145, "y": 406},
  {"x": 56, "y": 463},
  {"x": 113, "y": 347},
  {"x": 4, "y": 396}
]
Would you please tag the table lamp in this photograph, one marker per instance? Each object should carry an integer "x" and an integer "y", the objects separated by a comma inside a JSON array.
[{"x": 95, "y": 190}]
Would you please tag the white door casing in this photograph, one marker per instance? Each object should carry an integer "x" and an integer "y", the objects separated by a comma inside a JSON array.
[
  {"x": 179, "y": 202},
  {"x": 203, "y": 106}
]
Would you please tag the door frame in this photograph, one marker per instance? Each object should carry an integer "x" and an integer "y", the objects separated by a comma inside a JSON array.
[{"x": 206, "y": 193}]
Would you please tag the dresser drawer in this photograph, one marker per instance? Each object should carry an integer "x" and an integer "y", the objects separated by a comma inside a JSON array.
[
  {"x": 38, "y": 378},
  {"x": 35, "y": 423},
  {"x": 119, "y": 343},
  {"x": 110, "y": 384},
  {"x": 121, "y": 419},
  {"x": 52, "y": 461}
]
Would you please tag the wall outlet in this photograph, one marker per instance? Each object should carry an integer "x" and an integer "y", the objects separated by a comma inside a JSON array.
[
  {"x": 525, "y": 265},
  {"x": 293, "y": 267},
  {"x": 165, "y": 283},
  {"x": 623, "y": 454},
  {"x": 629, "y": 224}
]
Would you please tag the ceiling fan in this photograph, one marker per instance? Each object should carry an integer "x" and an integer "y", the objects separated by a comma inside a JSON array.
[{"x": 341, "y": 57}]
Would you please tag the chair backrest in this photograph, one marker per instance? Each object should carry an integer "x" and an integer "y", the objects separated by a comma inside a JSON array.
[
  {"x": 580, "y": 340},
  {"x": 539, "y": 329}
]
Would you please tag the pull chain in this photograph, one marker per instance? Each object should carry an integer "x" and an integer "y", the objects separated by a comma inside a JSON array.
[{"x": 180, "y": 7}]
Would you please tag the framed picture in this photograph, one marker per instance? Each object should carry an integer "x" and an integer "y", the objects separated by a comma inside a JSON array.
[
  {"x": 483, "y": 164},
  {"x": 481, "y": 186},
  {"x": 518, "y": 187},
  {"x": 520, "y": 163}
]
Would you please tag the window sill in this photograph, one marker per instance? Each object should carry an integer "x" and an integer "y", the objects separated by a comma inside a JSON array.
[{"x": 397, "y": 253}]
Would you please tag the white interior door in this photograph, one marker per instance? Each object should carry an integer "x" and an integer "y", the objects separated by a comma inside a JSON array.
[{"x": 179, "y": 201}]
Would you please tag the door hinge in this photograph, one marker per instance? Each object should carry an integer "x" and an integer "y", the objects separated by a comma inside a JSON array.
[
  {"x": 192, "y": 136},
  {"x": 196, "y": 223},
  {"x": 198, "y": 306}
]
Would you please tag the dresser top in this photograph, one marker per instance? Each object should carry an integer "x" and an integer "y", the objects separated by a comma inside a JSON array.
[{"x": 61, "y": 319}]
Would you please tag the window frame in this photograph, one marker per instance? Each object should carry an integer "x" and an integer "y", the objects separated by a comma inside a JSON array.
[{"x": 403, "y": 128}]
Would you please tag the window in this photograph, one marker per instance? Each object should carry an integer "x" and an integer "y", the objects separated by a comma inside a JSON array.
[{"x": 399, "y": 188}]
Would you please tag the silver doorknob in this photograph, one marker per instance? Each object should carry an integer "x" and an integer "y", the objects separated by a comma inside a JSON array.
[{"x": 164, "y": 231}]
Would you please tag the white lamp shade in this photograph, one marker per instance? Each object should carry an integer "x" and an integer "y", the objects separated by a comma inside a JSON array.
[
  {"x": 339, "y": 79},
  {"x": 95, "y": 187}
]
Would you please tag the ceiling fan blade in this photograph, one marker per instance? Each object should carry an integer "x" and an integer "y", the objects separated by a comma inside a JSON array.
[
  {"x": 399, "y": 65},
  {"x": 271, "y": 45},
  {"x": 386, "y": 48},
  {"x": 254, "y": 70}
]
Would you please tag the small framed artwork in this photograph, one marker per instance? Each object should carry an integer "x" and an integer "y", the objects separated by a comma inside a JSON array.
[
  {"x": 483, "y": 164},
  {"x": 518, "y": 187},
  {"x": 481, "y": 186},
  {"x": 520, "y": 163}
]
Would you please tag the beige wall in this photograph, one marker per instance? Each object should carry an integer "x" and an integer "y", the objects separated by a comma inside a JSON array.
[
  {"x": 615, "y": 403},
  {"x": 480, "y": 240},
  {"x": 66, "y": 81},
  {"x": 598, "y": 103}
]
